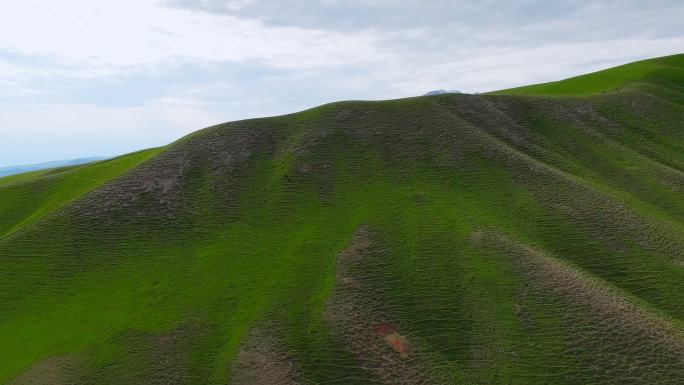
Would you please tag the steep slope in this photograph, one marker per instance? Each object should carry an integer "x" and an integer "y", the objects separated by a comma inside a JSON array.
[
  {"x": 25, "y": 198},
  {"x": 467, "y": 239}
]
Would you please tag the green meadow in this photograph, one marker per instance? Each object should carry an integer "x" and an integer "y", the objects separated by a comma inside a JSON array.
[{"x": 527, "y": 236}]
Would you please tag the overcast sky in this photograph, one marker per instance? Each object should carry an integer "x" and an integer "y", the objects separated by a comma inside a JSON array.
[{"x": 98, "y": 77}]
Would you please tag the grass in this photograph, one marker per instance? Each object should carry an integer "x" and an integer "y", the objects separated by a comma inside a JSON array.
[
  {"x": 609, "y": 80},
  {"x": 25, "y": 198},
  {"x": 160, "y": 265}
]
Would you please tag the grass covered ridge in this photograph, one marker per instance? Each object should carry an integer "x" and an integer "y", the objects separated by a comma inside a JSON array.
[
  {"x": 457, "y": 239},
  {"x": 666, "y": 71},
  {"x": 25, "y": 198}
]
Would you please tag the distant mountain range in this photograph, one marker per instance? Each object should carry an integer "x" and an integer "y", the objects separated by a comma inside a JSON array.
[{"x": 10, "y": 170}]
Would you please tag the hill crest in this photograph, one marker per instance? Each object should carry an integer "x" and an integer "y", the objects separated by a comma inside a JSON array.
[{"x": 445, "y": 239}]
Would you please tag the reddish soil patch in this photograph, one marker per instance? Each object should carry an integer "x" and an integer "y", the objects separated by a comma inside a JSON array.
[
  {"x": 358, "y": 317},
  {"x": 384, "y": 329},
  {"x": 395, "y": 340},
  {"x": 398, "y": 342}
]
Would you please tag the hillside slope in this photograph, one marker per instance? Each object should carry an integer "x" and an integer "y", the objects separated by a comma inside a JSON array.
[
  {"x": 25, "y": 198},
  {"x": 465, "y": 239},
  {"x": 665, "y": 72}
]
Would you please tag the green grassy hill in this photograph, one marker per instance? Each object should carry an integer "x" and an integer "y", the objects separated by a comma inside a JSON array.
[
  {"x": 25, "y": 198},
  {"x": 666, "y": 72},
  {"x": 450, "y": 239}
]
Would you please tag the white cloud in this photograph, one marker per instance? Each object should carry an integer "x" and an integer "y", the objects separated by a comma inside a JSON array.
[
  {"x": 61, "y": 131},
  {"x": 498, "y": 68},
  {"x": 95, "y": 77},
  {"x": 101, "y": 37}
]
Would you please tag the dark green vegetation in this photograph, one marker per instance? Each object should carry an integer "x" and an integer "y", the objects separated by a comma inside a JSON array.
[{"x": 466, "y": 239}]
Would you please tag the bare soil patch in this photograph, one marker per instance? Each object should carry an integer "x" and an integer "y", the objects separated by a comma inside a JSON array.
[
  {"x": 57, "y": 370},
  {"x": 359, "y": 321},
  {"x": 619, "y": 341},
  {"x": 263, "y": 360}
]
